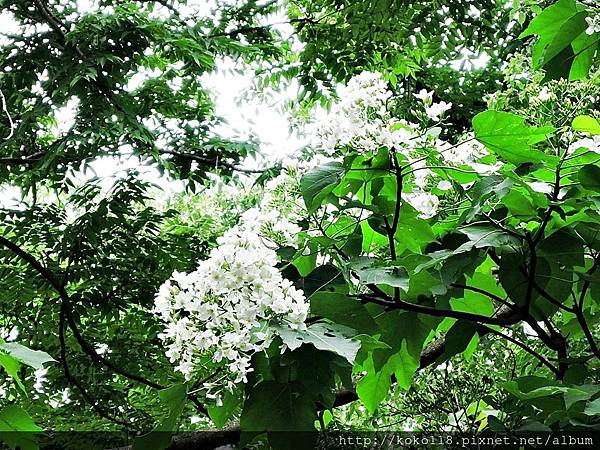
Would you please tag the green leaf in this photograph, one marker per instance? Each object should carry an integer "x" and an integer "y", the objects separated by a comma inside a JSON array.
[
  {"x": 575, "y": 374},
  {"x": 323, "y": 278},
  {"x": 508, "y": 136},
  {"x": 557, "y": 26},
  {"x": 319, "y": 182},
  {"x": 592, "y": 408},
  {"x": 413, "y": 232},
  {"x": 549, "y": 275},
  {"x": 473, "y": 302},
  {"x": 274, "y": 406},
  {"x": 519, "y": 205},
  {"x": 11, "y": 365},
  {"x": 329, "y": 337},
  {"x": 586, "y": 124},
  {"x": 481, "y": 236},
  {"x": 394, "y": 276},
  {"x": 402, "y": 359},
  {"x": 543, "y": 391},
  {"x": 482, "y": 190},
  {"x": 584, "y": 48},
  {"x": 375, "y": 385},
  {"x": 458, "y": 338},
  {"x": 159, "y": 438},
  {"x": 564, "y": 247},
  {"x": 569, "y": 31},
  {"x": 404, "y": 364},
  {"x": 17, "y": 428},
  {"x": 33, "y": 358},
  {"x": 174, "y": 397},
  {"x": 371, "y": 238},
  {"x": 220, "y": 415},
  {"x": 343, "y": 310},
  {"x": 589, "y": 177}
]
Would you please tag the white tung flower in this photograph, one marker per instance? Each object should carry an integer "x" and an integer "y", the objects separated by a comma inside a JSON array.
[
  {"x": 544, "y": 95},
  {"x": 437, "y": 110},
  {"x": 424, "y": 202},
  {"x": 360, "y": 119},
  {"x": 444, "y": 185},
  {"x": 593, "y": 22},
  {"x": 425, "y": 96}
]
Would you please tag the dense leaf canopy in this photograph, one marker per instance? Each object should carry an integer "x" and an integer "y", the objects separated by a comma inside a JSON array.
[{"x": 438, "y": 233}]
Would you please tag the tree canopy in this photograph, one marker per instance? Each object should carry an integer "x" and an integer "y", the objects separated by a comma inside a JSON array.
[{"x": 437, "y": 234}]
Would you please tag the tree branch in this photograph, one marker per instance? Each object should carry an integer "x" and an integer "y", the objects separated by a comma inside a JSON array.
[
  {"x": 74, "y": 381},
  {"x": 524, "y": 347},
  {"x": 579, "y": 311},
  {"x": 66, "y": 309},
  {"x": 413, "y": 307}
]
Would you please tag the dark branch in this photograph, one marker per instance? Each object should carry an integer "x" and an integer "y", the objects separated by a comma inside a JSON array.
[
  {"x": 68, "y": 313},
  {"x": 413, "y": 307}
]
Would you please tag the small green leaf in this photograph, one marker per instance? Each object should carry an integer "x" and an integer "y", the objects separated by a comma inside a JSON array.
[
  {"x": 592, "y": 408},
  {"x": 160, "y": 437},
  {"x": 458, "y": 338},
  {"x": 319, "y": 182},
  {"x": 481, "y": 236},
  {"x": 17, "y": 428},
  {"x": 343, "y": 310},
  {"x": 394, "y": 276},
  {"x": 584, "y": 49},
  {"x": 323, "y": 278},
  {"x": 220, "y": 415},
  {"x": 586, "y": 124},
  {"x": 375, "y": 385},
  {"x": 11, "y": 365},
  {"x": 274, "y": 406},
  {"x": 557, "y": 26}
]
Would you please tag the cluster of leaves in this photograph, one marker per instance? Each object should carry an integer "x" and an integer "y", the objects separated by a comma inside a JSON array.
[
  {"x": 512, "y": 252},
  {"x": 402, "y": 40},
  {"x": 90, "y": 58},
  {"x": 563, "y": 47},
  {"x": 399, "y": 38},
  {"x": 390, "y": 292},
  {"x": 97, "y": 253},
  {"x": 473, "y": 266},
  {"x": 115, "y": 249}
]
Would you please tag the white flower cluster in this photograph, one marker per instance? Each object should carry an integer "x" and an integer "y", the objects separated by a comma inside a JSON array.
[
  {"x": 361, "y": 120},
  {"x": 435, "y": 111},
  {"x": 221, "y": 311},
  {"x": 593, "y": 22},
  {"x": 467, "y": 153},
  {"x": 543, "y": 96},
  {"x": 425, "y": 202}
]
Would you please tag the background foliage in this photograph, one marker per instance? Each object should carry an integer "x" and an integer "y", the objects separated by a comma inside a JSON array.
[{"x": 506, "y": 271}]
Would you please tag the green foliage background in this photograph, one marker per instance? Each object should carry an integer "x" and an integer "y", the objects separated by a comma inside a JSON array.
[{"x": 79, "y": 264}]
